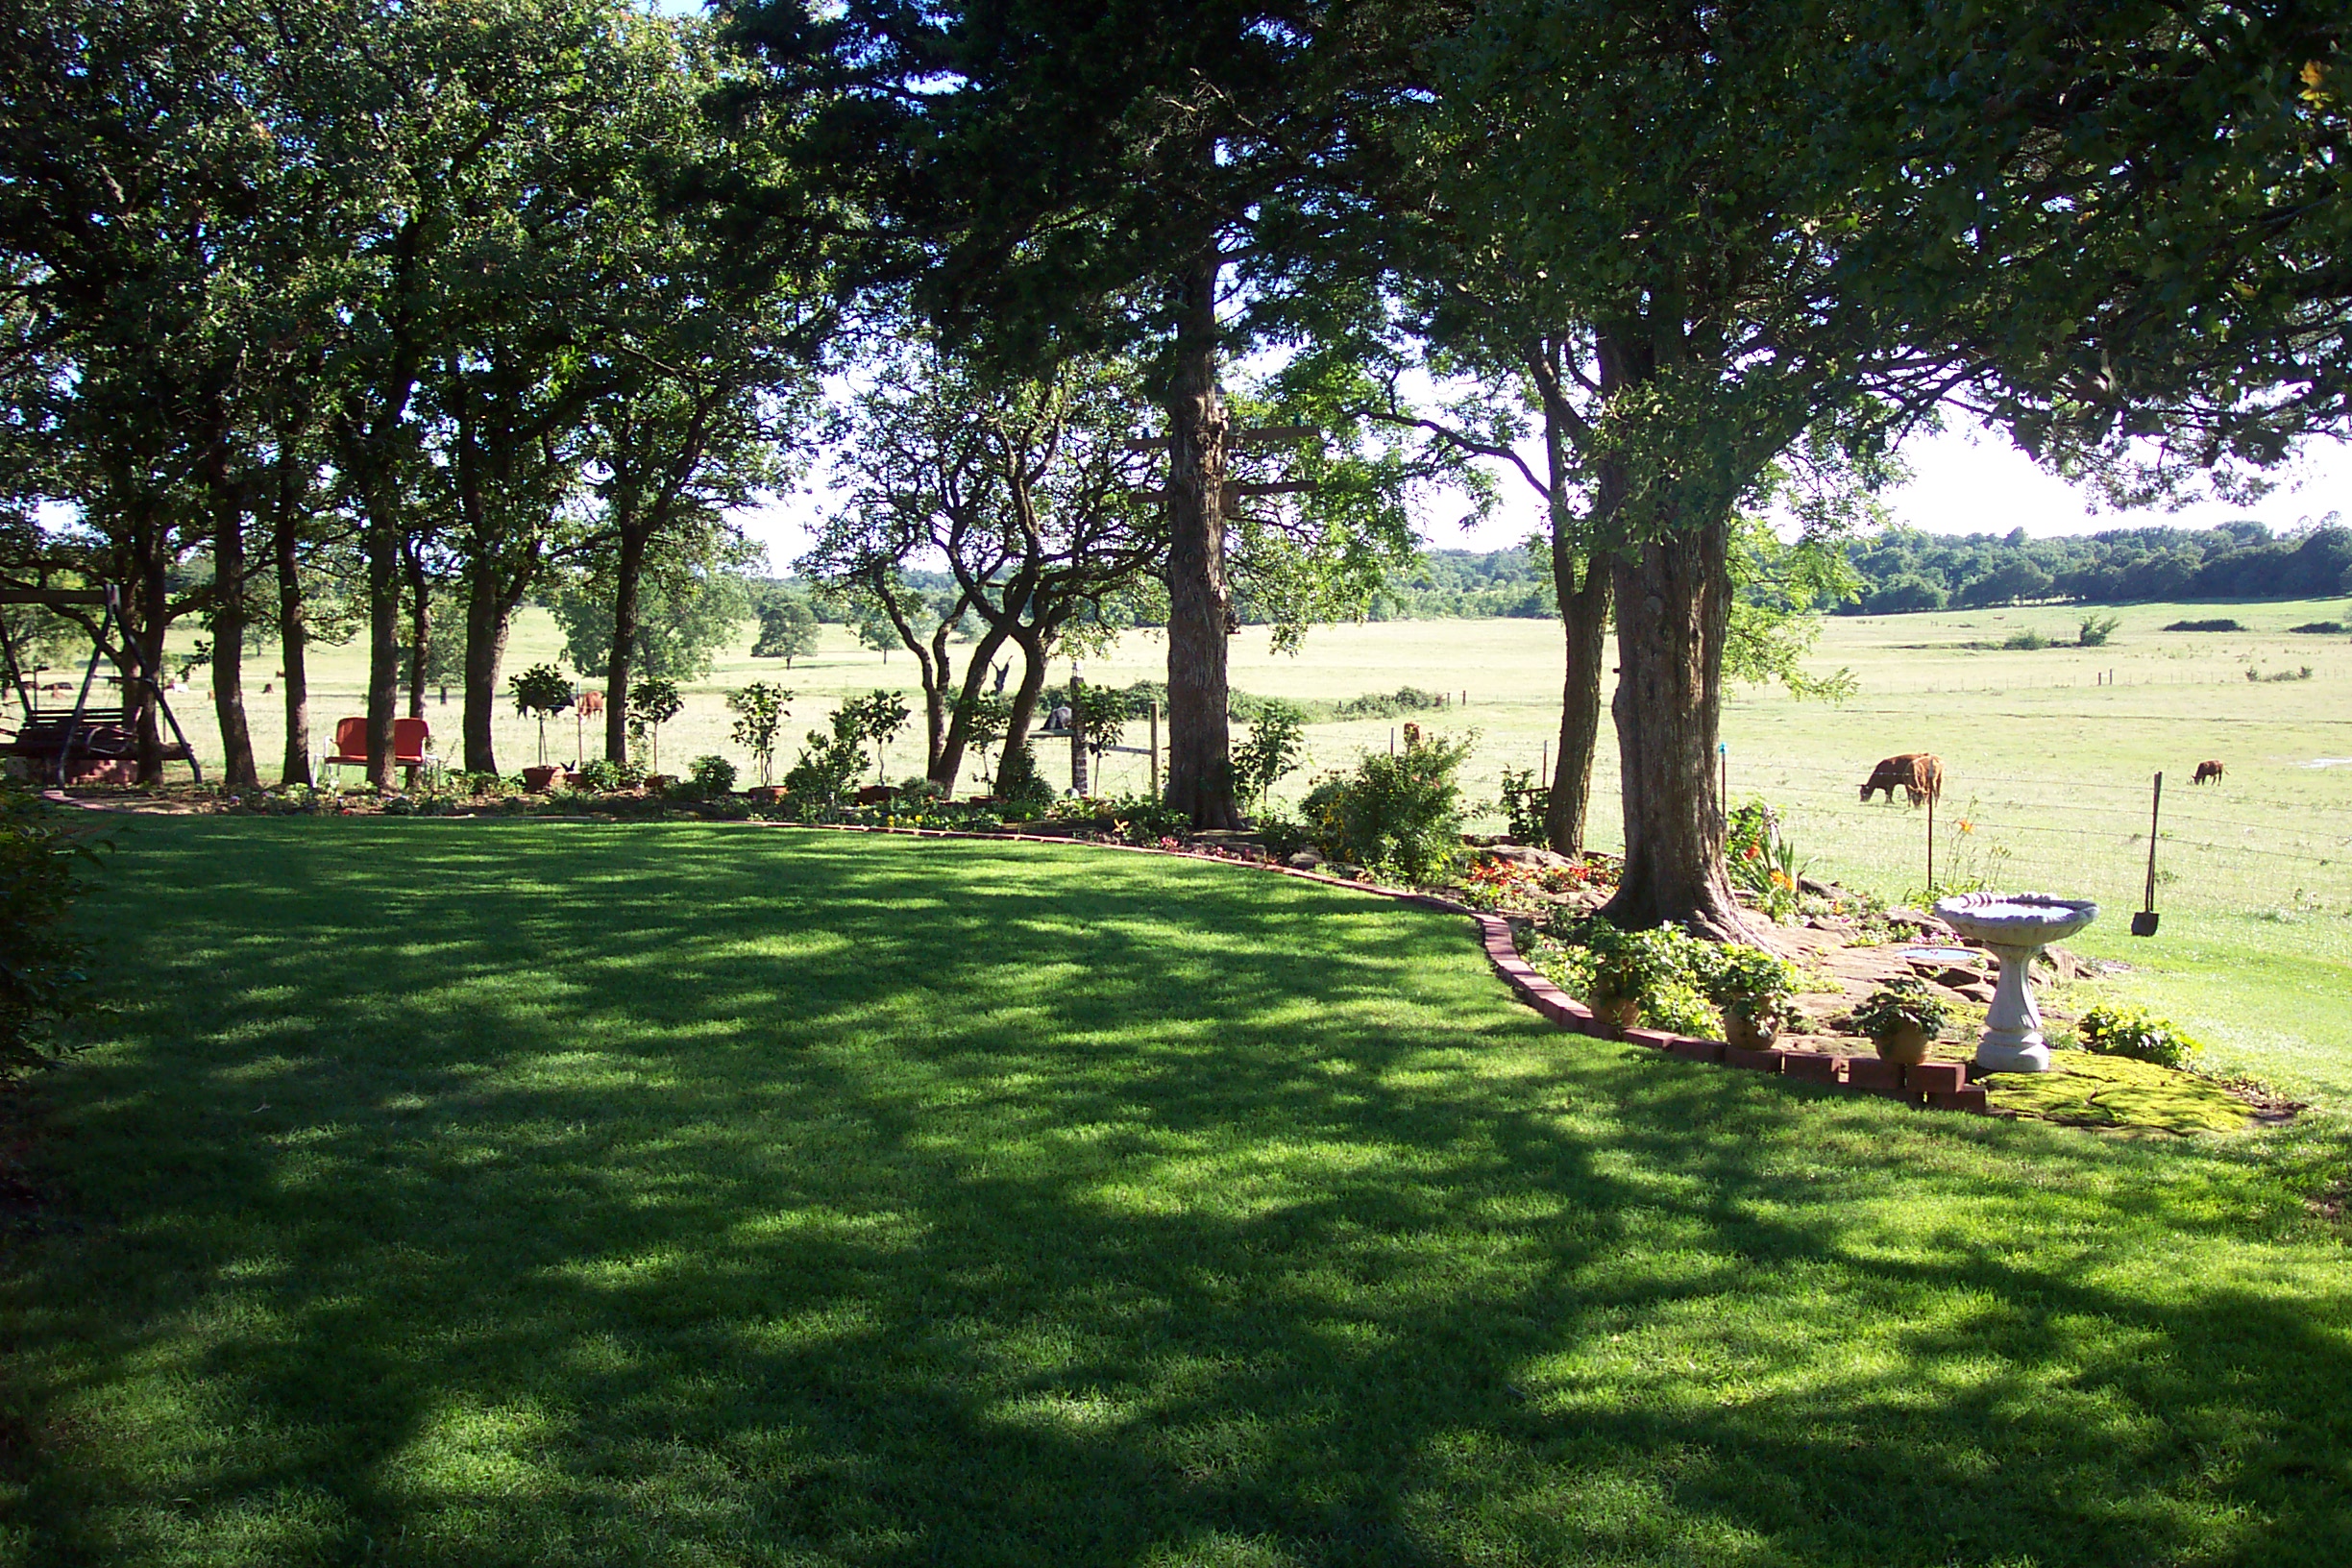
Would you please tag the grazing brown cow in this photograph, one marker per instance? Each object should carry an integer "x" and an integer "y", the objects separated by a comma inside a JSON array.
[
  {"x": 2207, "y": 770},
  {"x": 1919, "y": 774}
]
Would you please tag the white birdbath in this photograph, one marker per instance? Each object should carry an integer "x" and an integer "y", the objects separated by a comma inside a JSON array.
[{"x": 2015, "y": 926}]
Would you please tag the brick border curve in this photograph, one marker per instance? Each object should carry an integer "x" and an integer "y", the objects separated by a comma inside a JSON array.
[{"x": 1941, "y": 1086}]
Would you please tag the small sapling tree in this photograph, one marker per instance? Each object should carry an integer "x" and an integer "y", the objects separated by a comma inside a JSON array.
[
  {"x": 761, "y": 709},
  {"x": 652, "y": 703},
  {"x": 542, "y": 692},
  {"x": 877, "y": 718},
  {"x": 1276, "y": 746}
]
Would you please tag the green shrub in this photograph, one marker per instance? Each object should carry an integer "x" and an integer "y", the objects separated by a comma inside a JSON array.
[
  {"x": 2096, "y": 629},
  {"x": 603, "y": 774},
  {"x": 828, "y": 762},
  {"x": 1526, "y": 802},
  {"x": 711, "y": 777},
  {"x": 2204, "y": 625},
  {"x": 760, "y": 711},
  {"x": 2133, "y": 1032},
  {"x": 1400, "y": 815},
  {"x": 42, "y": 862},
  {"x": 1901, "y": 1002},
  {"x": 2027, "y": 641},
  {"x": 1666, "y": 971},
  {"x": 1277, "y": 744},
  {"x": 1017, "y": 780},
  {"x": 1753, "y": 983}
]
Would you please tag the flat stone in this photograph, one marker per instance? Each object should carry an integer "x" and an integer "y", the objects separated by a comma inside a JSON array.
[{"x": 1521, "y": 854}]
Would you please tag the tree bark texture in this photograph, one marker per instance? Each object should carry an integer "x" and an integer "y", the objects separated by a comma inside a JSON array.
[
  {"x": 238, "y": 770},
  {"x": 383, "y": 553},
  {"x": 1674, "y": 600},
  {"x": 1585, "y": 621},
  {"x": 420, "y": 623},
  {"x": 628, "y": 578},
  {"x": 1200, "y": 601},
  {"x": 488, "y": 617},
  {"x": 293, "y": 637}
]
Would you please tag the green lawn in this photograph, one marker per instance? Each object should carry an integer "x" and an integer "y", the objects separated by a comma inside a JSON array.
[{"x": 531, "y": 1193}]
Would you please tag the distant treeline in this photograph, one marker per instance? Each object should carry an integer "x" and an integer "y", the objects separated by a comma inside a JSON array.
[{"x": 1903, "y": 569}]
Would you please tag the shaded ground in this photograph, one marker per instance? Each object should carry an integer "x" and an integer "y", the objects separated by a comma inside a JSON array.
[{"x": 483, "y": 1192}]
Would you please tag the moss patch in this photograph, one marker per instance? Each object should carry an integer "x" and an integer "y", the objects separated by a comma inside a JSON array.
[{"x": 2115, "y": 1091}]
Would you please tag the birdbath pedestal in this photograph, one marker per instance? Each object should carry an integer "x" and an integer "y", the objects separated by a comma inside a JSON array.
[{"x": 2014, "y": 926}]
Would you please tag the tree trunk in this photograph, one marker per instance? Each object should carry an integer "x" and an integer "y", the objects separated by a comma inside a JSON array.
[
  {"x": 1584, "y": 624},
  {"x": 1673, "y": 608},
  {"x": 629, "y": 577},
  {"x": 293, "y": 640},
  {"x": 420, "y": 623},
  {"x": 383, "y": 555},
  {"x": 238, "y": 770},
  {"x": 949, "y": 762},
  {"x": 1025, "y": 698},
  {"x": 1200, "y": 606},
  {"x": 487, "y": 625},
  {"x": 143, "y": 695}
]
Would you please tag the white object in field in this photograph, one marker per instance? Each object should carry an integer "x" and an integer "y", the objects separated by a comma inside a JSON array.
[{"x": 2014, "y": 926}]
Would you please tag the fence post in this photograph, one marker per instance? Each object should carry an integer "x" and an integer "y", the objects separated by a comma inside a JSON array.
[
  {"x": 1931, "y": 804},
  {"x": 1155, "y": 748}
]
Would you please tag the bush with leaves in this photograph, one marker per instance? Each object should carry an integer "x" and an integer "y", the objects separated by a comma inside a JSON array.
[
  {"x": 652, "y": 703},
  {"x": 760, "y": 710},
  {"x": 1017, "y": 780},
  {"x": 602, "y": 775},
  {"x": 1759, "y": 986},
  {"x": 1762, "y": 860},
  {"x": 1666, "y": 971},
  {"x": 1398, "y": 814},
  {"x": 708, "y": 777},
  {"x": 1525, "y": 802},
  {"x": 829, "y": 761},
  {"x": 2094, "y": 631},
  {"x": 42, "y": 863},
  {"x": 1902, "y": 1003},
  {"x": 1277, "y": 744},
  {"x": 2111, "y": 1030}
]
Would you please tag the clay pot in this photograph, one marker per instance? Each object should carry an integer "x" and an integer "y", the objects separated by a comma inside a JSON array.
[
  {"x": 537, "y": 779},
  {"x": 1746, "y": 1033},
  {"x": 1625, "y": 1012},
  {"x": 1907, "y": 1044}
]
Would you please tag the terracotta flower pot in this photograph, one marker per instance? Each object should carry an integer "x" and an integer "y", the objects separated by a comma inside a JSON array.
[
  {"x": 537, "y": 779},
  {"x": 1907, "y": 1044},
  {"x": 1625, "y": 1012},
  {"x": 1749, "y": 1034}
]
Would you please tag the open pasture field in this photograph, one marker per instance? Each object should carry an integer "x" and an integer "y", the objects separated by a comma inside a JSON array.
[
  {"x": 2048, "y": 771},
  {"x": 544, "y": 1192}
]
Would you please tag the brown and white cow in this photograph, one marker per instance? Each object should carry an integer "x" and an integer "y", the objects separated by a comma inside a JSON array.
[
  {"x": 1919, "y": 775},
  {"x": 2207, "y": 770}
]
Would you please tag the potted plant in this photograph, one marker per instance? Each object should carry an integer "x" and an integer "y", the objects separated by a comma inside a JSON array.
[
  {"x": 1756, "y": 992},
  {"x": 1903, "y": 1018},
  {"x": 541, "y": 692}
]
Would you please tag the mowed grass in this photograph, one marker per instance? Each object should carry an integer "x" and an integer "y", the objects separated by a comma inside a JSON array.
[
  {"x": 2047, "y": 768},
  {"x": 482, "y": 1193}
]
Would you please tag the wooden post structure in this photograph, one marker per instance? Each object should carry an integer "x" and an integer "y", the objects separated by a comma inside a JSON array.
[
  {"x": 1155, "y": 748},
  {"x": 2144, "y": 924}
]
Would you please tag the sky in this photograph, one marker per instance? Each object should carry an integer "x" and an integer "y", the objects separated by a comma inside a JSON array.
[{"x": 1963, "y": 482}]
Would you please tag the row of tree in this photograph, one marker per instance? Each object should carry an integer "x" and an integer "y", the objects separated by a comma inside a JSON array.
[
  {"x": 1905, "y": 570},
  {"x": 477, "y": 292},
  {"x": 1707, "y": 257},
  {"x": 324, "y": 314}
]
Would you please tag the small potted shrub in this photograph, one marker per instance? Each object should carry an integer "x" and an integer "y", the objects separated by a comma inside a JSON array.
[
  {"x": 1756, "y": 992},
  {"x": 1648, "y": 976},
  {"x": 1903, "y": 1018}
]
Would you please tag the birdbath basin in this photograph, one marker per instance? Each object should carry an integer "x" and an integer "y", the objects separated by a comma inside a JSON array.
[{"x": 2014, "y": 926}]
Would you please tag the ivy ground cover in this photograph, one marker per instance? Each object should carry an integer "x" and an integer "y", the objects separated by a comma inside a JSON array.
[{"x": 486, "y": 1193}]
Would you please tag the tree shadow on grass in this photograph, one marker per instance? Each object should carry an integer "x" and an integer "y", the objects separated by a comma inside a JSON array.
[{"x": 506, "y": 1194}]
